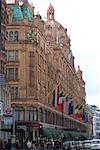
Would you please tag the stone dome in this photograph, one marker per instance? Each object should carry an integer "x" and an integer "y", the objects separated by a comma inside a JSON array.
[{"x": 55, "y": 33}]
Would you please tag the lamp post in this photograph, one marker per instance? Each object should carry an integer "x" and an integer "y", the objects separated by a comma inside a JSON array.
[{"x": 14, "y": 128}]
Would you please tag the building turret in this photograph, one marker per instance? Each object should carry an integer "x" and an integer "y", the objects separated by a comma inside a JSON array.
[{"x": 50, "y": 12}]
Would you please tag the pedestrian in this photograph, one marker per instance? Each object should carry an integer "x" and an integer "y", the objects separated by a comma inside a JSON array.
[
  {"x": 1, "y": 144},
  {"x": 29, "y": 144},
  {"x": 8, "y": 146}
]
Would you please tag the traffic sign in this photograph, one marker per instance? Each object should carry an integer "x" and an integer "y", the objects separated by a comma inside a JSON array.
[
  {"x": 13, "y": 105},
  {"x": 8, "y": 112}
]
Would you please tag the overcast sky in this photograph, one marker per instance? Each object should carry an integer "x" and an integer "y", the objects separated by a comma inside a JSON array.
[{"x": 82, "y": 20}]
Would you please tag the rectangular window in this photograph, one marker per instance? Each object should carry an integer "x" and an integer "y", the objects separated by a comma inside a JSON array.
[
  {"x": 14, "y": 92},
  {"x": 12, "y": 55},
  {"x": 12, "y": 74}
]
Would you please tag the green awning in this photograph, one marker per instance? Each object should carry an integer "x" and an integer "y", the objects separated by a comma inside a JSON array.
[
  {"x": 47, "y": 133},
  {"x": 58, "y": 133},
  {"x": 51, "y": 133}
]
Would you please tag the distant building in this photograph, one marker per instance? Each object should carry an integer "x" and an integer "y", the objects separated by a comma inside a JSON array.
[
  {"x": 40, "y": 65},
  {"x": 96, "y": 120}
]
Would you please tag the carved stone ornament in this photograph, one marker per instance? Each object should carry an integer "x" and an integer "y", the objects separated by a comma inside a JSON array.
[{"x": 31, "y": 35}]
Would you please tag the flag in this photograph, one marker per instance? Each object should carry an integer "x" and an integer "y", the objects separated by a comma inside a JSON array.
[
  {"x": 67, "y": 98},
  {"x": 79, "y": 113},
  {"x": 80, "y": 108},
  {"x": 76, "y": 109},
  {"x": 61, "y": 101},
  {"x": 65, "y": 104},
  {"x": 61, "y": 97},
  {"x": 55, "y": 97},
  {"x": 85, "y": 117},
  {"x": 70, "y": 110}
]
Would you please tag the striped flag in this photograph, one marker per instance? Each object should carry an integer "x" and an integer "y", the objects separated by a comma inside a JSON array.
[
  {"x": 76, "y": 109},
  {"x": 61, "y": 101},
  {"x": 79, "y": 113},
  {"x": 71, "y": 108},
  {"x": 65, "y": 104},
  {"x": 55, "y": 97}
]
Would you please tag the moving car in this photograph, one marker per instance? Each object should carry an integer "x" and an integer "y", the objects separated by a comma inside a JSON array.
[
  {"x": 87, "y": 144},
  {"x": 95, "y": 144}
]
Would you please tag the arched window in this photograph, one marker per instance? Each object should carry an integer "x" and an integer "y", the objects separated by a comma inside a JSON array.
[
  {"x": 16, "y": 36},
  {"x": 40, "y": 114},
  {"x": 19, "y": 113},
  {"x": 35, "y": 117},
  {"x": 11, "y": 36},
  {"x": 30, "y": 113},
  {"x": 49, "y": 117}
]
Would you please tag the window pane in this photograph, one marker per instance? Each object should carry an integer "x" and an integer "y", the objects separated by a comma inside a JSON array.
[
  {"x": 31, "y": 115},
  {"x": 12, "y": 55},
  {"x": 10, "y": 73},
  {"x": 21, "y": 115},
  {"x": 35, "y": 116},
  {"x": 16, "y": 92},
  {"x": 10, "y": 36},
  {"x": 16, "y": 36}
]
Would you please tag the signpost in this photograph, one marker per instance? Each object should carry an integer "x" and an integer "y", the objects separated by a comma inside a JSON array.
[
  {"x": 8, "y": 118},
  {"x": 13, "y": 105}
]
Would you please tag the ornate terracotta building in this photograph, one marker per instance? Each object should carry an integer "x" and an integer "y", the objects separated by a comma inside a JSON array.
[{"x": 39, "y": 63}]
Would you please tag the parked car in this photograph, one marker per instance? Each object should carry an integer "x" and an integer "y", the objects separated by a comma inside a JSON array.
[
  {"x": 87, "y": 144},
  {"x": 95, "y": 144},
  {"x": 68, "y": 145}
]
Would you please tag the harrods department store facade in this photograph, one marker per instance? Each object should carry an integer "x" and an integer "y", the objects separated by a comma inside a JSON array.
[{"x": 39, "y": 59}]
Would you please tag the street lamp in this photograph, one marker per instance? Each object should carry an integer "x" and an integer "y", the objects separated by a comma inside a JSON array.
[{"x": 13, "y": 105}]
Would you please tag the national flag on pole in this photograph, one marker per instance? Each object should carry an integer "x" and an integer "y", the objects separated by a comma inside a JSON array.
[
  {"x": 85, "y": 117},
  {"x": 65, "y": 104},
  {"x": 61, "y": 101},
  {"x": 55, "y": 97},
  {"x": 80, "y": 108},
  {"x": 79, "y": 113},
  {"x": 76, "y": 109},
  {"x": 70, "y": 110},
  {"x": 61, "y": 97}
]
